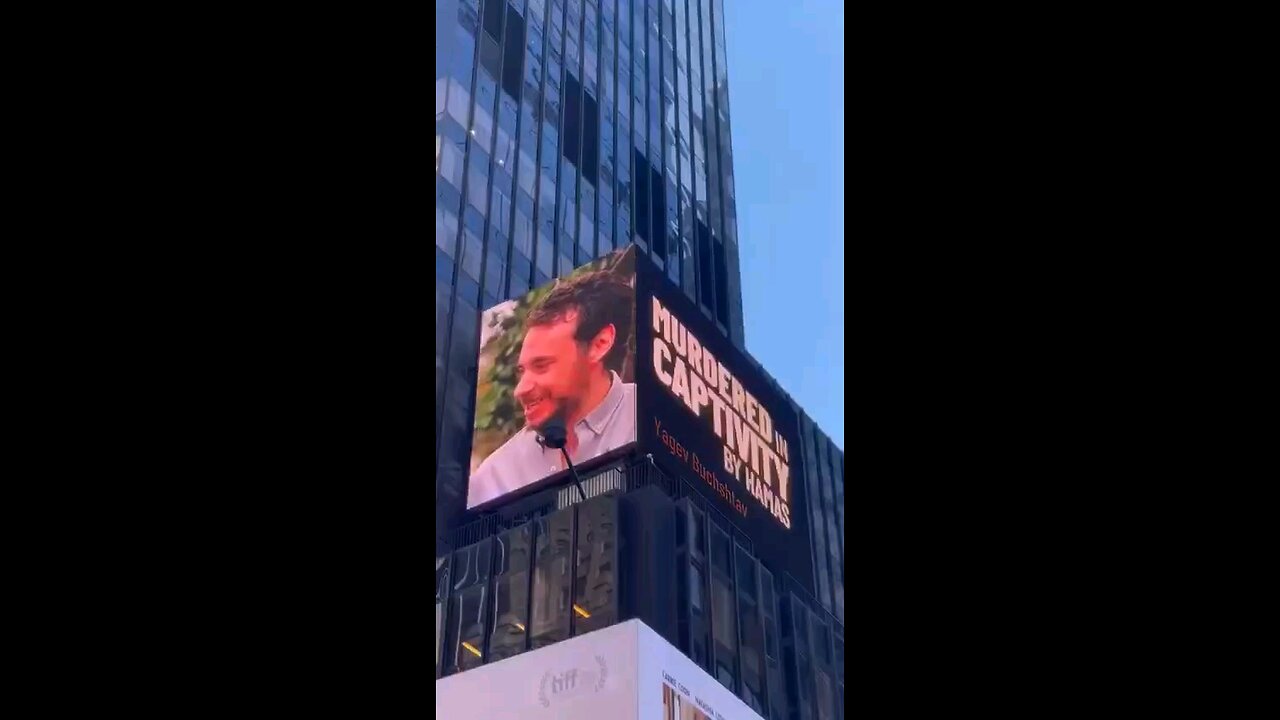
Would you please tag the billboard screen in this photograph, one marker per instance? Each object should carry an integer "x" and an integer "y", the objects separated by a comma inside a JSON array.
[
  {"x": 710, "y": 416},
  {"x": 621, "y": 672},
  {"x": 565, "y": 351},
  {"x": 673, "y": 687},
  {"x": 585, "y": 677}
]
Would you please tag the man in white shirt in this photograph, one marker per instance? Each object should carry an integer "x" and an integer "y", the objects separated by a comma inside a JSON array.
[{"x": 573, "y": 338}]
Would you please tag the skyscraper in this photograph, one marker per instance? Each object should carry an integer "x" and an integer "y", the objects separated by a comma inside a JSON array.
[{"x": 566, "y": 129}]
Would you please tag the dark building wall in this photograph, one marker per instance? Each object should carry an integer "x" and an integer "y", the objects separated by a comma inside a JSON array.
[
  {"x": 649, "y": 536},
  {"x": 824, "y": 474}
]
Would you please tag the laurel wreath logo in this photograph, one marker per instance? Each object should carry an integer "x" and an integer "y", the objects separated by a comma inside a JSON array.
[
  {"x": 546, "y": 678},
  {"x": 604, "y": 673}
]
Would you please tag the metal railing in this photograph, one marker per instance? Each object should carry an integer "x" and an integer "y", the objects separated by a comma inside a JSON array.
[{"x": 624, "y": 478}]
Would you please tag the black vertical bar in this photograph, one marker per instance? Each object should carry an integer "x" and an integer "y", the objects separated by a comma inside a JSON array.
[
  {"x": 573, "y": 564},
  {"x": 737, "y": 615},
  {"x": 444, "y": 595},
  {"x": 490, "y": 583},
  {"x": 528, "y": 596},
  {"x": 710, "y": 602}
]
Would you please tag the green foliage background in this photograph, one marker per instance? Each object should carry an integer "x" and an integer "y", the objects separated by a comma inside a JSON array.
[{"x": 498, "y": 415}]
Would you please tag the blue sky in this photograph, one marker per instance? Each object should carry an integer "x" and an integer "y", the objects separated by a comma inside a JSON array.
[{"x": 786, "y": 100}]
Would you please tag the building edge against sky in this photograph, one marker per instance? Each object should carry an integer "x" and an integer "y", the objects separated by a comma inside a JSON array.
[{"x": 566, "y": 129}]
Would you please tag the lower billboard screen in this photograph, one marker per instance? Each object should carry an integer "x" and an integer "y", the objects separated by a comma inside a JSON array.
[
  {"x": 676, "y": 706},
  {"x": 589, "y": 677},
  {"x": 673, "y": 687},
  {"x": 621, "y": 672},
  {"x": 563, "y": 355}
]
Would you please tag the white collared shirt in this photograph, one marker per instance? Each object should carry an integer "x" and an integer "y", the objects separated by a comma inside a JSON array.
[{"x": 522, "y": 460}]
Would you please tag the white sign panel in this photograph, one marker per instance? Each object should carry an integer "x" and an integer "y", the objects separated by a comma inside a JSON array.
[
  {"x": 622, "y": 672},
  {"x": 588, "y": 677}
]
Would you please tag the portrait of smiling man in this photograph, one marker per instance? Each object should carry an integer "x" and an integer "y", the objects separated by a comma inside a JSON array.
[{"x": 573, "y": 341}]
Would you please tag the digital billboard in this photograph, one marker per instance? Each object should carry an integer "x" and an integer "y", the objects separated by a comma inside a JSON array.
[
  {"x": 708, "y": 414},
  {"x": 586, "y": 677},
  {"x": 621, "y": 672},
  {"x": 566, "y": 353}
]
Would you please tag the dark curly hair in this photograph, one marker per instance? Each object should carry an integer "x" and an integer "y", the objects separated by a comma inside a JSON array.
[{"x": 598, "y": 299}]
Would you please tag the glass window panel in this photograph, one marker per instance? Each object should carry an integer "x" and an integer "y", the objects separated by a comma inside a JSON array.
[
  {"x": 469, "y": 608},
  {"x": 442, "y": 563},
  {"x": 815, "y": 513},
  {"x": 439, "y": 637},
  {"x": 446, "y": 229},
  {"x": 462, "y": 359},
  {"x": 482, "y": 127},
  {"x": 472, "y": 252},
  {"x": 511, "y": 593},
  {"x": 546, "y": 255},
  {"x": 495, "y": 272},
  {"x": 821, "y": 639},
  {"x": 551, "y": 579},
  {"x": 596, "y": 588},
  {"x": 478, "y": 181},
  {"x": 571, "y": 50},
  {"x": 451, "y": 163},
  {"x": 719, "y": 549},
  {"x": 586, "y": 233},
  {"x": 493, "y": 18},
  {"x": 826, "y": 701},
  {"x": 527, "y": 171},
  {"x": 546, "y": 190},
  {"x": 724, "y": 630},
  {"x": 523, "y": 234},
  {"x": 752, "y": 639},
  {"x": 500, "y": 206},
  {"x": 746, "y": 573},
  {"x": 696, "y": 582},
  {"x": 504, "y": 150},
  {"x": 590, "y": 58},
  {"x": 510, "y": 625},
  {"x": 533, "y": 61},
  {"x": 555, "y": 50},
  {"x": 698, "y": 614},
  {"x": 623, "y": 227},
  {"x": 459, "y": 102},
  {"x": 513, "y": 53},
  {"x": 519, "y": 285}
]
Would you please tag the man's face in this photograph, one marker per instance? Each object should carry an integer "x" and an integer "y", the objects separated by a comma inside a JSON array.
[{"x": 553, "y": 370}]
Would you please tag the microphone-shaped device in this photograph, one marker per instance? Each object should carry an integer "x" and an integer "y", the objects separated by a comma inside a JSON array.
[{"x": 554, "y": 434}]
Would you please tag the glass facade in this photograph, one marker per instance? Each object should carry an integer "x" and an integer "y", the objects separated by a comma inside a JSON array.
[
  {"x": 824, "y": 473},
  {"x": 559, "y": 574},
  {"x": 565, "y": 129}
]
